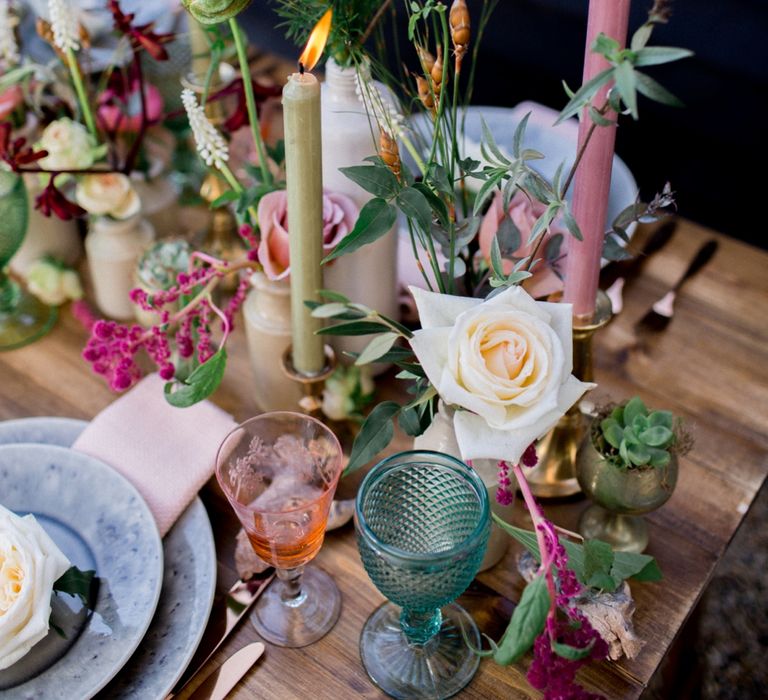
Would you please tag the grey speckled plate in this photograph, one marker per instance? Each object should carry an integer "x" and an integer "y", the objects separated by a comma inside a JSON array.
[
  {"x": 100, "y": 521},
  {"x": 189, "y": 582}
]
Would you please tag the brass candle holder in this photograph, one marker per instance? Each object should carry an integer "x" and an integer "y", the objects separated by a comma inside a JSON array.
[
  {"x": 555, "y": 474},
  {"x": 311, "y": 384}
]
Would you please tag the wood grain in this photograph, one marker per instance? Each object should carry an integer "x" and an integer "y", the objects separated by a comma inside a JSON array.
[{"x": 709, "y": 365}]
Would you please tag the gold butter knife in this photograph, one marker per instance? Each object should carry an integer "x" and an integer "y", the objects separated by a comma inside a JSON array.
[
  {"x": 221, "y": 680},
  {"x": 236, "y": 603}
]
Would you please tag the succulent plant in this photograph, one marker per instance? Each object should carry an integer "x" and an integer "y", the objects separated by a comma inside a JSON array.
[{"x": 632, "y": 436}]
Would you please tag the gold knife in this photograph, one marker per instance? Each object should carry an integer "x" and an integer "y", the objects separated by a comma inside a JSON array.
[
  {"x": 237, "y": 602},
  {"x": 221, "y": 680}
]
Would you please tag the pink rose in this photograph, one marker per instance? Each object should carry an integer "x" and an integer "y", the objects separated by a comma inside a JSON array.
[
  {"x": 523, "y": 213},
  {"x": 10, "y": 99},
  {"x": 123, "y": 112},
  {"x": 339, "y": 216}
]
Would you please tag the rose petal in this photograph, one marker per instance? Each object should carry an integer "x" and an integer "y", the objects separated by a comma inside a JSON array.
[{"x": 440, "y": 309}]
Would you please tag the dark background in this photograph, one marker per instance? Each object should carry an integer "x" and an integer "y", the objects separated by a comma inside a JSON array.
[{"x": 709, "y": 150}]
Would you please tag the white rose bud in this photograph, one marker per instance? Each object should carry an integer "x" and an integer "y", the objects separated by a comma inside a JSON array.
[
  {"x": 30, "y": 563},
  {"x": 110, "y": 194},
  {"x": 507, "y": 361},
  {"x": 69, "y": 146}
]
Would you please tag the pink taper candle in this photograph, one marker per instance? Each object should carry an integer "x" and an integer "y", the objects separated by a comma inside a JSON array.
[{"x": 592, "y": 182}]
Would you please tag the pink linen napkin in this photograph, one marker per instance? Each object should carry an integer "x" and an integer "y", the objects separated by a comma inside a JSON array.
[{"x": 167, "y": 453}]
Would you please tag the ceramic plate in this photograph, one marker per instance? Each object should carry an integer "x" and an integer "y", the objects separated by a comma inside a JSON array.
[
  {"x": 100, "y": 522},
  {"x": 189, "y": 582}
]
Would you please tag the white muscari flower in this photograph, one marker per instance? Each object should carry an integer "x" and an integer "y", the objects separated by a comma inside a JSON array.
[
  {"x": 66, "y": 30},
  {"x": 210, "y": 143},
  {"x": 9, "y": 49},
  {"x": 382, "y": 110}
]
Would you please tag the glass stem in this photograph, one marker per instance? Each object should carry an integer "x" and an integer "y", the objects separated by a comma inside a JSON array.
[
  {"x": 290, "y": 590},
  {"x": 419, "y": 627},
  {"x": 9, "y": 293}
]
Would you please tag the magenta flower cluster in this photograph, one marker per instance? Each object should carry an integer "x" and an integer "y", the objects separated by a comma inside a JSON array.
[{"x": 113, "y": 350}]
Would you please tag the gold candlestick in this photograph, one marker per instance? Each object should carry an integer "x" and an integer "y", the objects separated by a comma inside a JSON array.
[
  {"x": 555, "y": 474},
  {"x": 311, "y": 384}
]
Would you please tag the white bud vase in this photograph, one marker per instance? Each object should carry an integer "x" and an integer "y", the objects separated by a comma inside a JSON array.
[
  {"x": 267, "y": 317},
  {"x": 46, "y": 235},
  {"x": 369, "y": 275},
  {"x": 113, "y": 248},
  {"x": 441, "y": 437}
]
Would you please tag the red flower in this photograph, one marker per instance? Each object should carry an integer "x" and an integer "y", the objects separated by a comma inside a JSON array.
[
  {"x": 142, "y": 36},
  {"x": 52, "y": 201},
  {"x": 15, "y": 152},
  {"x": 239, "y": 116}
]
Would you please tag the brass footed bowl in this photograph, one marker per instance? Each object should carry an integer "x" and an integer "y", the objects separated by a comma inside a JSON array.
[{"x": 620, "y": 496}]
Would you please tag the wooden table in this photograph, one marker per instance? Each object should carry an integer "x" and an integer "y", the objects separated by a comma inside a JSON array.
[{"x": 710, "y": 366}]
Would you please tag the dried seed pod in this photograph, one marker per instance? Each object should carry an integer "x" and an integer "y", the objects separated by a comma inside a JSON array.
[
  {"x": 425, "y": 92},
  {"x": 389, "y": 152},
  {"x": 437, "y": 72},
  {"x": 460, "y": 30},
  {"x": 426, "y": 58}
]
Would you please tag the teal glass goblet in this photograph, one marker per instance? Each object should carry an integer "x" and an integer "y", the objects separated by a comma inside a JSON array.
[
  {"x": 23, "y": 317},
  {"x": 422, "y": 521}
]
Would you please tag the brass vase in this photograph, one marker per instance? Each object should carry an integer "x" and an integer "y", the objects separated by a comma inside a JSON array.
[
  {"x": 555, "y": 474},
  {"x": 620, "y": 497}
]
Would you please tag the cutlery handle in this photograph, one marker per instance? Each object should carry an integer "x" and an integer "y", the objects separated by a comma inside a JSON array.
[{"x": 700, "y": 259}]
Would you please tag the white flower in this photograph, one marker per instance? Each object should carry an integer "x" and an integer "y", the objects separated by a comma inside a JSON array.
[
  {"x": 53, "y": 283},
  {"x": 64, "y": 24},
  {"x": 210, "y": 143},
  {"x": 69, "y": 146},
  {"x": 30, "y": 563},
  {"x": 110, "y": 194},
  {"x": 386, "y": 116},
  {"x": 9, "y": 49},
  {"x": 507, "y": 361}
]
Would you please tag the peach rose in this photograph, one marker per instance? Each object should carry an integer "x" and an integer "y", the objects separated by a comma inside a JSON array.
[
  {"x": 339, "y": 216},
  {"x": 110, "y": 194},
  {"x": 523, "y": 213}
]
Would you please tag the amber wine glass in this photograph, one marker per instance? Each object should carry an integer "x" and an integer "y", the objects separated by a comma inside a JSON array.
[{"x": 279, "y": 472}]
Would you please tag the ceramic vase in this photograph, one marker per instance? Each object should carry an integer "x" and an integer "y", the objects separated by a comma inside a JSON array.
[
  {"x": 620, "y": 497},
  {"x": 441, "y": 437},
  {"x": 267, "y": 317},
  {"x": 46, "y": 235},
  {"x": 369, "y": 275},
  {"x": 113, "y": 248}
]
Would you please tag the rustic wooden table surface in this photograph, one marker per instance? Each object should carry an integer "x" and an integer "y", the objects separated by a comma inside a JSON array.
[{"x": 710, "y": 366}]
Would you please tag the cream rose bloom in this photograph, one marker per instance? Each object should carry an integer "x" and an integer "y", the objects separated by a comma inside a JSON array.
[
  {"x": 507, "y": 361},
  {"x": 69, "y": 146},
  {"x": 53, "y": 283},
  {"x": 30, "y": 563},
  {"x": 110, "y": 194}
]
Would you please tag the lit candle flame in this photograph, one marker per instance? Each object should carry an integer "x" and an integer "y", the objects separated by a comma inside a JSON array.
[{"x": 316, "y": 43}]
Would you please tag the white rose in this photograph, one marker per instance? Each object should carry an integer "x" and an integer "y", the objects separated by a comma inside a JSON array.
[
  {"x": 109, "y": 194},
  {"x": 30, "y": 563},
  {"x": 69, "y": 146},
  {"x": 52, "y": 283},
  {"x": 507, "y": 361}
]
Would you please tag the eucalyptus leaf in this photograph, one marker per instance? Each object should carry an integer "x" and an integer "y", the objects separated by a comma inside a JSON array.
[
  {"x": 553, "y": 246},
  {"x": 508, "y": 236},
  {"x": 329, "y": 310},
  {"x": 526, "y": 624},
  {"x": 571, "y": 224},
  {"x": 519, "y": 135},
  {"x": 379, "y": 346},
  {"x": 415, "y": 206},
  {"x": 354, "y": 328},
  {"x": 490, "y": 143},
  {"x": 626, "y": 84},
  {"x": 375, "y": 434},
  {"x": 200, "y": 384},
  {"x": 656, "y": 55},
  {"x": 584, "y": 94},
  {"x": 332, "y": 296},
  {"x": 570, "y": 652},
  {"x": 437, "y": 205},
  {"x": 379, "y": 180},
  {"x": 376, "y": 219},
  {"x": 78, "y": 583},
  {"x": 654, "y": 91}
]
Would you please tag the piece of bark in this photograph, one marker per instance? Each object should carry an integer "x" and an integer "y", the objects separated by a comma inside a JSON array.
[{"x": 609, "y": 613}]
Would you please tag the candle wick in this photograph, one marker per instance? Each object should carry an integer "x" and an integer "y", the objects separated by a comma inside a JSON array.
[{"x": 301, "y": 68}]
